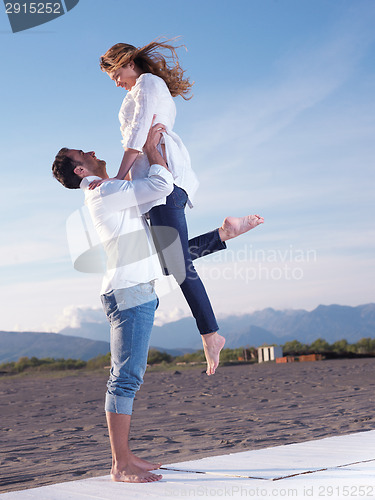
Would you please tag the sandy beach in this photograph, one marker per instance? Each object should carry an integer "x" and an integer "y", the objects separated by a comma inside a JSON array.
[{"x": 53, "y": 428}]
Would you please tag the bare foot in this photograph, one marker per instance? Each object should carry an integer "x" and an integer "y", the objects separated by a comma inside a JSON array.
[
  {"x": 144, "y": 464},
  {"x": 131, "y": 473},
  {"x": 234, "y": 226},
  {"x": 212, "y": 345}
]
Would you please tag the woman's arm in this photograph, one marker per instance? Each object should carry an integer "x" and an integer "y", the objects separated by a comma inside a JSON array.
[
  {"x": 123, "y": 174},
  {"x": 128, "y": 159},
  {"x": 146, "y": 97}
]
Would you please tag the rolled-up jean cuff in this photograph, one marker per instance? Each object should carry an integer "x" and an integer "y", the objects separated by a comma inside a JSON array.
[{"x": 118, "y": 404}]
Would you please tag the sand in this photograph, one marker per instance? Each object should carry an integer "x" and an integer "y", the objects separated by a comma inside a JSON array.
[{"x": 53, "y": 428}]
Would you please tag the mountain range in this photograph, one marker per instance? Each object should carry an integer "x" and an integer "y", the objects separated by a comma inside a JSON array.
[
  {"x": 14, "y": 345},
  {"x": 333, "y": 322}
]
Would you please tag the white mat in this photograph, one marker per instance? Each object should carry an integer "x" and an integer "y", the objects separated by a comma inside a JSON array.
[{"x": 338, "y": 467}]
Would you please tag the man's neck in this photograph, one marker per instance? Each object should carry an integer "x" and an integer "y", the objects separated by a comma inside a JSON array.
[{"x": 101, "y": 175}]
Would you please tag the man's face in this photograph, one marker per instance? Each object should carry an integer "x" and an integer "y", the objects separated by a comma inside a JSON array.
[{"x": 89, "y": 164}]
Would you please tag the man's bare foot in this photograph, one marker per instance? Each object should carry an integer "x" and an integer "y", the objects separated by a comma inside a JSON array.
[
  {"x": 144, "y": 464},
  {"x": 234, "y": 226},
  {"x": 212, "y": 345},
  {"x": 131, "y": 473}
]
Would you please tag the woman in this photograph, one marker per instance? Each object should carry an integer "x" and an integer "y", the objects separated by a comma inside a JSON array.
[{"x": 152, "y": 80}]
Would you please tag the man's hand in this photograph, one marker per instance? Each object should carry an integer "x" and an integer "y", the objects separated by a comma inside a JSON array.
[
  {"x": 154, "y": 136},
  {"x": 150, "y": 147}
]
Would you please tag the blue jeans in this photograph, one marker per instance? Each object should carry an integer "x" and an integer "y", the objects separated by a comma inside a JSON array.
[
  {"x": 130, "y": 312},
  {"x": 172, "y": 214}
]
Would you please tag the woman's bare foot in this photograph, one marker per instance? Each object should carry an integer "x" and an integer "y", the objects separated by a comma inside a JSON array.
[
  {"x": 234, "y": 226},
  {"x": 131, "y": 473},
  {"x": 144, "y": 464},
  {"x": 212, "y": 345}
]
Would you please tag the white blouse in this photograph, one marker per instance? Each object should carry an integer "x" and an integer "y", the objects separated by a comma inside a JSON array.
[{"x": 150, "y": 96}]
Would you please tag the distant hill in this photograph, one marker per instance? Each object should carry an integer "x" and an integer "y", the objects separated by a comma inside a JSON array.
[
  {"x": 333, "y": 322},
  {"x": 182, "y": 335},
  {"x": 237, "y": 331},
  {"x": 14, "y": 345},
  {"x": 89, "y": 330}
]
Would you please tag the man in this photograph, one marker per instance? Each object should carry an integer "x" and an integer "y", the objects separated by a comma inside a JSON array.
[{"x": 127, "y": 294}]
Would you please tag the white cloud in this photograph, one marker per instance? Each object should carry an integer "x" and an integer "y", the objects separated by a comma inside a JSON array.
[
  {"x": 37, "y": 305},
  {"x": 73, "y": 317},
  {"x": 169, "y": 315}
]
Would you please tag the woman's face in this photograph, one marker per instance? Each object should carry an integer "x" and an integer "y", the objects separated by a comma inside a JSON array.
[{"x": 125, "y": 77}]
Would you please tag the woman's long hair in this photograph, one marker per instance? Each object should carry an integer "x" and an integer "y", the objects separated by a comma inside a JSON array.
[{"x": 150, "y": 60}]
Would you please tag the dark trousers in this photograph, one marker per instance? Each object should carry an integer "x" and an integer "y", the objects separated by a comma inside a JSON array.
[{"x": 167, "y": 222}]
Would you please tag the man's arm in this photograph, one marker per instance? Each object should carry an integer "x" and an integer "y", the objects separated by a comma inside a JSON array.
[{"x": 150, "y": 147}]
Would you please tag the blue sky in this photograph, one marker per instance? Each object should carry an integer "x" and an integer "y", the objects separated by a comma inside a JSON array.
[{"x": 281, "y": 124}]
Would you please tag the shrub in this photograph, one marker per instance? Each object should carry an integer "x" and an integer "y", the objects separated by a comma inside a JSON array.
[
  {"x": 197, "y": 356},
  {"x": 294, "y": 347},
  {"x": 99, "y": 362},
  {"x": 155, "y": 356},
  {"x": 320, "y": 346}
]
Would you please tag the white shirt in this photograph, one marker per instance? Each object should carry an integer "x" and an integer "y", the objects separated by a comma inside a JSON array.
[
  {"x": 123, "y": 230},
  {"x": 148, "y": 97}
]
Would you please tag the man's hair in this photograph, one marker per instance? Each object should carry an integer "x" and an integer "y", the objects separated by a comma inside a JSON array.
[{"x": 63, "y": 170}]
